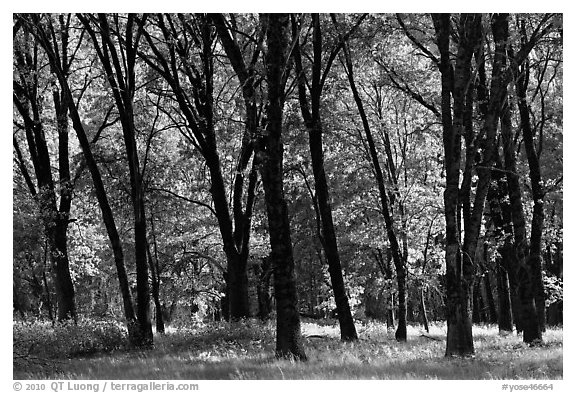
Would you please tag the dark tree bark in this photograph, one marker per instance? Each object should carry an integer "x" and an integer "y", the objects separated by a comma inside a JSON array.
[
  {"x": 288, "y": 334},
  {"x": 526, "y": 271},
  {"x": 399, "y": 261},
  {"x": 455, "y": 84},
  {"x": 490, "y": 115},
  {"x": 490, "y": 313},
  {"x": 458, "y": 273},
  {"x": 263, "y": 287},
  {"x": 523, "y": 273},
  {"x": 538, "y": 194},
  {"x": 55, "y": 217},
  {"x": 119, "y": 65},
  {"x": 476, "y": 303},
  {"x": 504, "y": 302},
  {"x": 311, "y": 113},
  {"x": 100, "y": 191},
  {"x": 501, "y": 217},
  {"x": 490, "y": 303}
]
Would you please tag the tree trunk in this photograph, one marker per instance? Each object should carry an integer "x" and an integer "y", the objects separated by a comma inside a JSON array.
[
  {"x": 263, "y": 289},
  {"x": 401, "y": 333},
  {"x": 476, "y": 303},
  {"x": 236, "y": 274},
  {"x": 400, "y": 268},
  {"x": 288, "y": 334},
  {"x": 538, "y": 194},
  {"x": 490, "y": 314},
  {"x": 390, "y": 311},
  {"x": 64, "y": 286},
  {"x": 491, "y": 304},
  {"x": 235, "y": 238},
  {"x": 109, "y": 223},
  {"x": 155, "y": 282},
  {"x": 504, "y": 302},
  {"x": 122, "y": 82},
  {"x": 142, "y": 287},
  {"x": 313, "y": 122},
  {"x": 238, "y": 283},
  {"x": 459, "y": 340},
  {"x": 423, "y": 310},
  {"x": 460, "y": 262},
  {"x": 500, "y": 213},
  {"x": 490, "y": 116},
  {"x": 225, "y": 308},
  {"x": 237, "y": 288},
  {"x": 107, "y": 214},
  {"x": 528, "y": 314},
  {"x": 54, "y": 218},
  {"x": 347, "y": 328},
  {"x": 386, "y": 209}
]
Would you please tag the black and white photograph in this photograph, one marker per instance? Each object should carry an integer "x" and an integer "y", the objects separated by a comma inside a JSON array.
[{"x": 286, "y": 196}]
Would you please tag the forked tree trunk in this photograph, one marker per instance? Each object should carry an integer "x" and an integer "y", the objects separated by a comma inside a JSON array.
[
  {"x": 455, "y": 84},
  {"x": 459, "y": 335},
  {"x": 197, "y": 107}
]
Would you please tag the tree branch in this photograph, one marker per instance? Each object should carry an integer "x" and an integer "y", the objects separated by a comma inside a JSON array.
[{"x": 184, "y": 198}]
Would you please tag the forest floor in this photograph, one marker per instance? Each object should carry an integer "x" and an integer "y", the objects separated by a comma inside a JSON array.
[{"x": 245, "y": 350}]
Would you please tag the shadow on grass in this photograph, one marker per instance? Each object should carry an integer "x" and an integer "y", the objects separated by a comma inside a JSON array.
[{"x": 245, "y": 351}]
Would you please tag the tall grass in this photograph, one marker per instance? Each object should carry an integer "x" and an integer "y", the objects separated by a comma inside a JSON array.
[{"x": 244, "y": 350}]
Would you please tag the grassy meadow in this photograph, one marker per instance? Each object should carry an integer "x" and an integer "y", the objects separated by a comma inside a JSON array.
[{"x": 245, "y": 350}]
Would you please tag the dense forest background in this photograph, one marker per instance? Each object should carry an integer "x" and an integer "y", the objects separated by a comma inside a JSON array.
[{"x": 180, "y": 169}]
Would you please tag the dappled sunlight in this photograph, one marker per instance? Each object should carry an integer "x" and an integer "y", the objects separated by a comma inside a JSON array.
[
  {"x": 245, "y": 350},
  {"x": 287, "y": 195}
]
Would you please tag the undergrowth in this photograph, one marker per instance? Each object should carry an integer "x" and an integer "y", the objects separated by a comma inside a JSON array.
[
  {"x": 40, "y": 345},
  {"x": 244, "y": 350}
]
